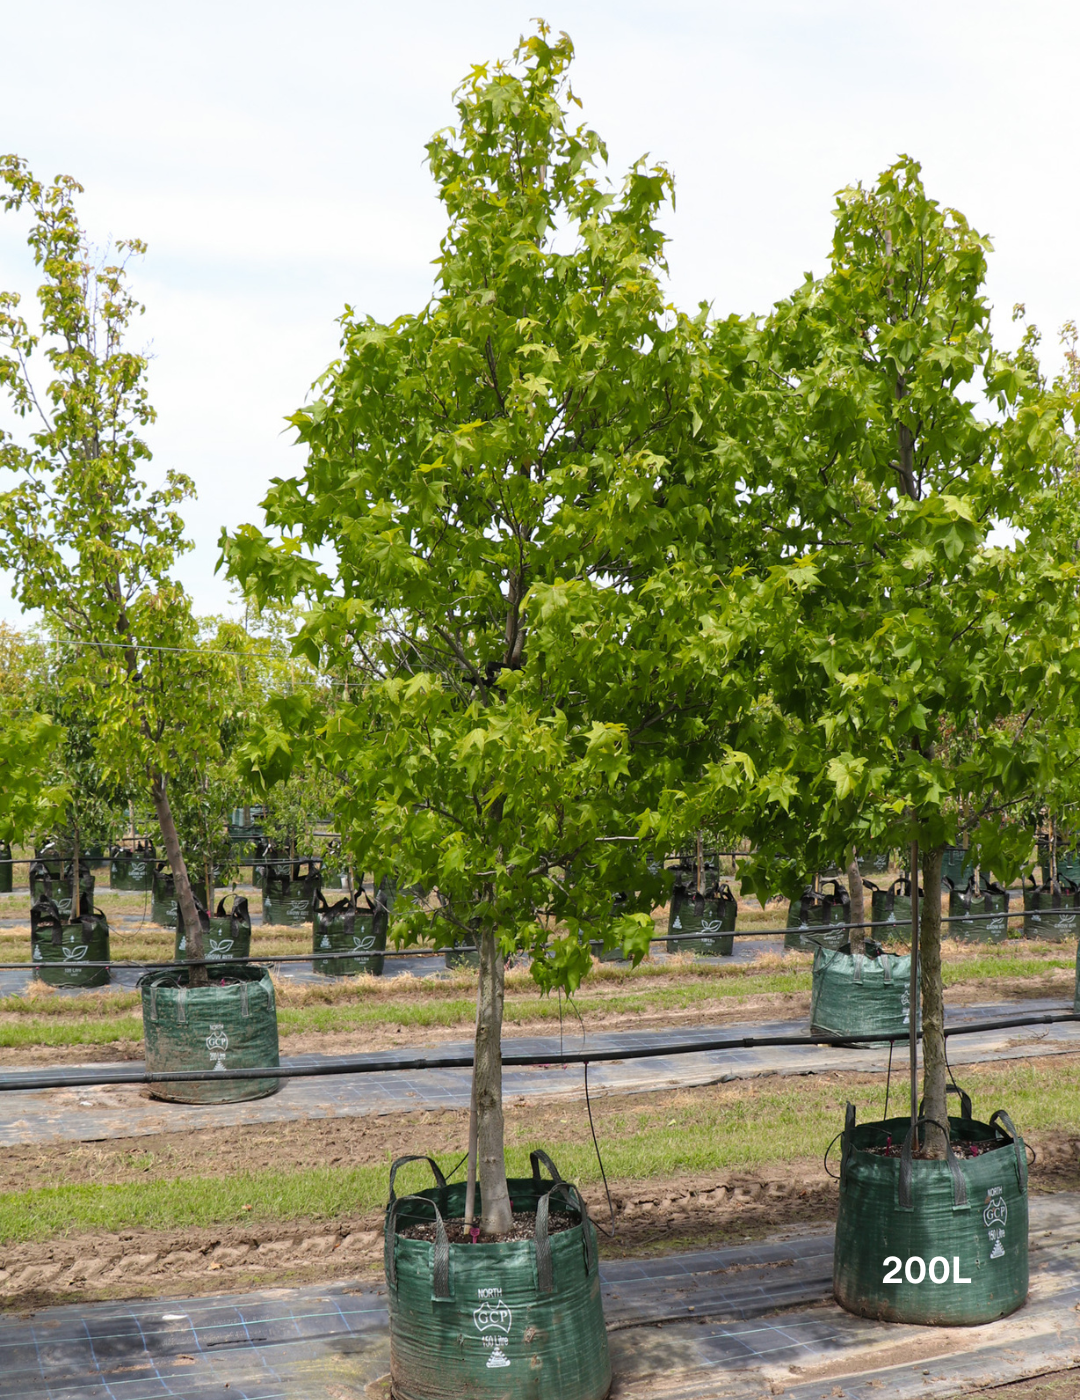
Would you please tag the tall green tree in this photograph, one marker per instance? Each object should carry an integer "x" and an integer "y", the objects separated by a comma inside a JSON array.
[
  {"x": 500, "y": 480},
  {"x": 918, "y": 633},
  {"x": 88, "y": 543}
]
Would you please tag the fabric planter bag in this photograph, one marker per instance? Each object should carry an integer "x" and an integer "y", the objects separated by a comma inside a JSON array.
[
  {"x": 231, "y": 1024},
  {"x": 712, "y": 915},
  {"x": 956, "y": 866},
  {"x": 866, "y": 993},
  {"x": 226, "y": 934},
  {"x": 521, "y": 1320},
  {"x": 44, "y": 885},
  {"x": 132, "y": 868},
  {"x": 993, "y": 899},
  {"x": 1051, "y": 911},
  {"x": 6, "y": 880},
  {"x": 874, "y": 865},
  {"x": 960, "y": 907},
  {"x": 347, "y": 927},
  {"x": 290, "y": 889},
  {"x": 51, "y": 856},
  {"x": 1076, "y": 988},
  {"x": 163, "y": 906},
  {"x": 893, "y": 905},
  {"x": 60, "y": 947},
  {"x": 934, "y": 1243},
  {"x": 811, "y": 912}
]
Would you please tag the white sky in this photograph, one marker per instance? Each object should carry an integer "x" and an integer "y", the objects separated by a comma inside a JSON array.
[{"x": 271, "y": 154}]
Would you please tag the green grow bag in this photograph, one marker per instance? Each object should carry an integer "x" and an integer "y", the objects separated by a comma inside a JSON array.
[
  {"x": 865, "y": 993},
  {"x": 960, "y": 907},
  {"x": 290, "y": 889},
  {"x": 993, "y": 899},
  {"x": 52, "y": 857},
  {"x": 45, "y": 885},
  {"x": 347, "y": 927},
  {"x": 808, "y": 914},
  {"x": 163, "y": 905},
  {"x": 521, "y": 1320},
  {"x": 712, "y": 915},
  {"x": 938, "y": 1243},
  {"x": 875, "y": 864},
  {"x": 59, "y": 946},
  {"x": 1076, "y": 989},
  {"x": 5, "y": 868},
  {"x": 231, "y": 1024},
  {"x": 956, "y": 866},
  {"x": 893, "y": 906},
  {"x": 132, "y": 869},
  {"x": 1051, "y": 911},
  {"x": 225, "y": 935}
]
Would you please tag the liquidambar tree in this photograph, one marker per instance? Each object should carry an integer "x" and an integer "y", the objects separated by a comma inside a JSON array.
[
  {"x": 505, "y": 482},
  {"x": 922, "y": 672},
  {"x": 87, "y": 542}
]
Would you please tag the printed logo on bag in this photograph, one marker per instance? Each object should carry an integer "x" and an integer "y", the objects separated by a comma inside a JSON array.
[
  {"x": 181, "y": 947},
  {"x": 712, "y": 926},
  {"x": 217, "y": 1042},
  {"x": 493, "y": 1321},
  {"x": 75, "y": 954},
  {"x": 995, "y": 1214},
  {"x": 676, "y": 924},
  {"x": 363, "y": 945},
  {"x": 905, "y": 1004},
  {"x": 220, "y": 947},
  {"x": 325, "y": 941}
]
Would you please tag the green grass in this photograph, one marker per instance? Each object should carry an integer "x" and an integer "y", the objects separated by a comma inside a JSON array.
[{"x": 769, "y": 1124}]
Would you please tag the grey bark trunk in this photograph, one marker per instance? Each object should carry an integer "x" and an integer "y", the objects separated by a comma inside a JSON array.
[
  {"x": 858, "y": 905},
  {"x": 933, "y": 1004},
  {"x": 184, "y": 898},
  {"x": 496, "y": 1217}
]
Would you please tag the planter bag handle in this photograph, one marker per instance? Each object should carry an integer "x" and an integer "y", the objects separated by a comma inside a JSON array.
[
  {"x": 965, "y": 1101},
  {"x": 904, "y": 1196},
  {"x": 436, "y": 1171},
  {"x": 1021, "y": 1156},
  {"x": 440, "y": 1272},
  {"x": 845, "y": 1141},
  {"x": 540, "y": 1157},
  {"x": 545, "y": 1274}
]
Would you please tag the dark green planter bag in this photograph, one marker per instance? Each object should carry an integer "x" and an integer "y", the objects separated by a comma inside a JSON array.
[
  {"x": 712, "y": 915},
  {"x": 348, "y": 927},
  {"x": 290, "y": 889},
  {"x": 231, "y": 1024},
  {"x": 811, "y": 912},
  {"x": 521, "y": 1320},
  {"x": 225, "y": 935},
  {"x": 52, "y": 857},
  {"x": 163, "y": 906},
  {"x": 60, "y": 947},
  {"x": 875, "y": 865},
  {"x": 1051, "y": 911},
  {"x": 855, "y": 994},
  {"x": 934, "y": 1243},
  {"x": 6, "y": 867},
  {"x": 132, "y": 868},
  {"x": 45, "y": 885},
  {"x": 956, "y": 866},
  {"x": 893, "y": 906},
  {"x": 993, "y": 899}
]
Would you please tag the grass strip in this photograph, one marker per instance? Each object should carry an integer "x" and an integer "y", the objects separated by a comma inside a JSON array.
[{"x": 763, "y": 1125}]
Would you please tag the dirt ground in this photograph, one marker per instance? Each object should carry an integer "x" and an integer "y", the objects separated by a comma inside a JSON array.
[{"x": 656, "y": 1216}]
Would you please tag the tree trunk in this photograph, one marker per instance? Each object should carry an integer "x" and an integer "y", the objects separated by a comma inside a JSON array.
[
  {"x": 496, "y": 1217},
  {"x": 184, "y": 898},
  {"x": 76, "y": 883},
  {"x": 933, "y": 1003},
  {"x": 857, "y": 913}
]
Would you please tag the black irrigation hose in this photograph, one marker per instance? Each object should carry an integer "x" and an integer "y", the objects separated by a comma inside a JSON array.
[{"x": 46, "y": 1079}]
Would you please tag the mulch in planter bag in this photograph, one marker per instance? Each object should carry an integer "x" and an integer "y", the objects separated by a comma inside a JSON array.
[
  {"x": 806, "y": 917},
  {"x": 231, "y": 1024},
  {"x": 866, "y": 993},
  {"x": 226, "y": 934},
  {"x": 60, "y": 947},
  {"x": 932, "y": 1242},
  {"x": 712, "y": 915},
  {"x": 1051, "y": 910},
  {"x": 44, "y": 885},
  {"x": 353, "y": 929},
  {"x": 520, "y": 1320},
  {"x": 5, "y": 868},
  {"x": 290, "y": 889},
  {"x": 132, "y": 867}
]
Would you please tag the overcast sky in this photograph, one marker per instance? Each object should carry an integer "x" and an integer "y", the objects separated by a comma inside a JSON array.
[{"x": 271, "y": 154}]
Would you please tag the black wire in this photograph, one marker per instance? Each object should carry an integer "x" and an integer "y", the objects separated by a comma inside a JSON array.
[
  {"x": 451, "y": 1175},
  {"x": 603, "y": 1175}
]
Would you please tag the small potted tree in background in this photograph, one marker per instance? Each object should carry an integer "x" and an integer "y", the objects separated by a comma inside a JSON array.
[{"x": 92, "y": 547}]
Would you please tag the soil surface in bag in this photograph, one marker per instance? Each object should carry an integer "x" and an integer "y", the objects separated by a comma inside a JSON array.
[
  {"x": 524, "y": 1229},
  {"x": 960, "y": 1149}
]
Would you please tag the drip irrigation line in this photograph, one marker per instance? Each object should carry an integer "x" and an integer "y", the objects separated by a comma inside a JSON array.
[{"x": 372, "y": 1064}]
